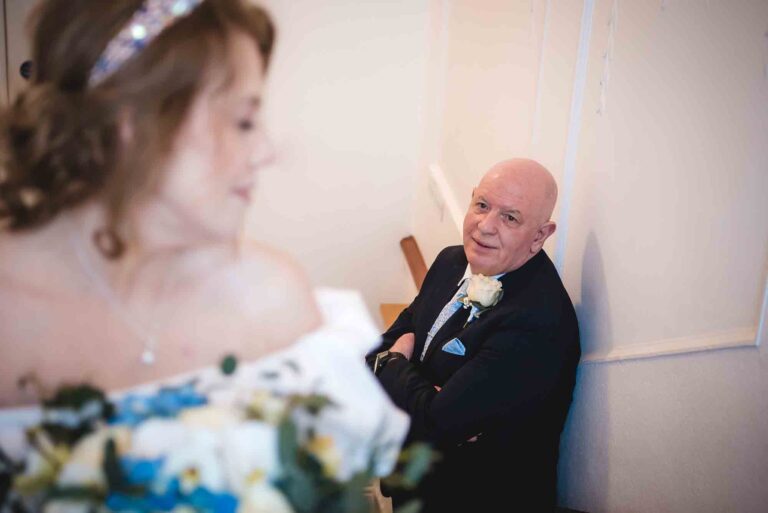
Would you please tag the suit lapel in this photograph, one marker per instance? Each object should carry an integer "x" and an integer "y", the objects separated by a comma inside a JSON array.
[
  {"x": 511, "y": 283},
  {"x": 452, "y": 326},
  {"x": 446, "y": 285}
]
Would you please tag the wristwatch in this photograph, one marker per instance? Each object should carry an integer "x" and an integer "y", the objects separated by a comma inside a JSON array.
[{"x": 383, "y": 358}]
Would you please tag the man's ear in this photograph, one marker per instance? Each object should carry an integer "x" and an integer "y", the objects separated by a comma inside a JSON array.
[{"x": 542, "y": 235}]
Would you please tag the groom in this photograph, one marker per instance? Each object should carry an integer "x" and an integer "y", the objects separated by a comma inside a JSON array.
[{"x": 486, "y": 367}]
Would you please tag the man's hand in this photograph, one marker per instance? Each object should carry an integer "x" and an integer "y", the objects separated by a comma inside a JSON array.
[{"x": 404, "y": 345}]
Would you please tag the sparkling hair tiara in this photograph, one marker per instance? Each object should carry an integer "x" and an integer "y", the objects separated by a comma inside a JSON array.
[{"x": 144, "y": 26}]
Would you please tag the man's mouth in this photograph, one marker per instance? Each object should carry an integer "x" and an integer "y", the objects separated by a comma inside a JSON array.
[{"x": 483, "y": 245}]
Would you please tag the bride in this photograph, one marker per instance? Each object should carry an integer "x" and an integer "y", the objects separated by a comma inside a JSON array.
[
  {"x": 128, "y": 166},
  {"x": 127, "y": 175}
]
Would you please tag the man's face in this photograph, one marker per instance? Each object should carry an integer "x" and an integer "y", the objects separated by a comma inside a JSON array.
[{"x": 502, "y": 228}]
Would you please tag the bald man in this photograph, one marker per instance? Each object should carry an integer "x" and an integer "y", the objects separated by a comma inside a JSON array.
[{"x": 487, "y": 377}]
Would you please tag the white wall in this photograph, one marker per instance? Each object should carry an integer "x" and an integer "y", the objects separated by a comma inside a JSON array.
[
  {"x": 667, "y": 212},
  {"x": 491, "y": 48},
  {"x": 483, "y": 74},
  {"x": 653, "y": 116},
  {"x": 667, "y": 247},
  {"x": 344, "y": 107},
  {"x": 675, "y": 434}
]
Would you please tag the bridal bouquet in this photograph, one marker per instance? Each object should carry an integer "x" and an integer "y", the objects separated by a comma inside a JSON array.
[{"x": 228, "y": 446}]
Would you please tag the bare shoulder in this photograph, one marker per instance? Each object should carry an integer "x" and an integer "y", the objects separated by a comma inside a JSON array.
[
  {"x": 258, "y": 289},
  {"x": 273, "y": 276}
]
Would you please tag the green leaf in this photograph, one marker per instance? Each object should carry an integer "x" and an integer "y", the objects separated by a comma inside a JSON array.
[
  {"x": 295, "y": 482},
  {"x": 354, "y": 499},
  {"x": 116, "y": 479},
  {"x": 73, "y": 399},
  {"x": 413, "y": 506},
  {"x": 313, "y": 403},
  {"x": 288, "y": 445},
  {"x": 112, "y": 469},
  {"x": 413, "y": 464},
  {"x": 29, "y": 485},
  {"x": 293, "y": 366},
  {"x": 77, "y": 493},
  {"x": 228, "y": 365},
  {"x": 420, "y": 457}
]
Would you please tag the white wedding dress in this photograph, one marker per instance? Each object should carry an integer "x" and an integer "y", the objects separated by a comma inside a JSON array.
[{"x": 328, "y": 361}]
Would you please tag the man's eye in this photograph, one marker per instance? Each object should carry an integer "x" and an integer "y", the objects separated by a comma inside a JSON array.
[
  {"x": 481, "y": 205},
  {"x": 510, "y": 219}
]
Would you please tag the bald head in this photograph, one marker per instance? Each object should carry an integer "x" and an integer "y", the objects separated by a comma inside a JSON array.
[
  {"x": 509, "y": 218},
  {"x": 526, "y": 176}
]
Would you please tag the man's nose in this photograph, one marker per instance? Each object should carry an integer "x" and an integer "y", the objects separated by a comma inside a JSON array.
[{"x": 487, "y": 223}]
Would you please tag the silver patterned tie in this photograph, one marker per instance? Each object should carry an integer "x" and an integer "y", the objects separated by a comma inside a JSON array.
[{"x": 448, "y": 310}]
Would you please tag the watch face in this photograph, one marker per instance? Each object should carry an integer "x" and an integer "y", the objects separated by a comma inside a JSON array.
[{"x": 380, "y": 359}]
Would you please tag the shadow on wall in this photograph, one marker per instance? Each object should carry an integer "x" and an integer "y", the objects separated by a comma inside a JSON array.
[
  {"x": 587, "y": 429},
  {"x": 594, "y": 311}
]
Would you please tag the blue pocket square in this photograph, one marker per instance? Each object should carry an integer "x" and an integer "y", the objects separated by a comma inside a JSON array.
[{"x": 455, "y": 347}]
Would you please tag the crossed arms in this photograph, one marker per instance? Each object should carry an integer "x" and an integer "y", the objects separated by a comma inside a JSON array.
[{"x": 511, "y": 375}]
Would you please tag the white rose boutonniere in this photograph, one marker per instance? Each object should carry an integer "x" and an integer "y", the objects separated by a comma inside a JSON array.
[{"x": 483, "y": 293}]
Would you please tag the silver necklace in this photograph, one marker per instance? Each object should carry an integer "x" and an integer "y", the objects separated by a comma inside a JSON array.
[{"x": 148, "y": 338}]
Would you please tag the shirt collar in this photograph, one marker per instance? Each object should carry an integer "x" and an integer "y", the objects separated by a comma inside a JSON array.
[{"x": 468, "y": 273}]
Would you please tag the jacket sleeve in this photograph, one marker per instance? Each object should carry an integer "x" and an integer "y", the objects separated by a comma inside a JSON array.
[
  {"x": 405, "y": 322},
  {"x": 512, "y": 373},
  {"x": 402, "y": 325}
]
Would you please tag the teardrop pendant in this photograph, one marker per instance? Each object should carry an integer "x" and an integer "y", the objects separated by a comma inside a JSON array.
[{"x": 148, "y": 357}]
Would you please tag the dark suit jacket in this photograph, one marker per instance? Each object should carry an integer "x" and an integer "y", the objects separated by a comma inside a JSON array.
[{"x": 514, "y": 385}]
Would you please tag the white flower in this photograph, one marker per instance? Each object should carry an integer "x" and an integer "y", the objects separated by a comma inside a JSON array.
[
  {"x": 156, "y": 437},
  {"x": 484, "y": 291},
  {"x": 267, "y": 406},
  {"x": 78, "y": 474},
  {"x": 37, "y": 465},
  {"x": 42, "y": 464},
  {"x": 85, "y": 464},
  {"x": 197, "y": 463},
  {"x": 323, "y": 448},
  {"x": 184, "y": 509},
  {"x": 210, "y": 417},
  {"x": 261, "y": 497},
  {"x": 250, "y": 452},
  {"x": 191, "y": 453}
]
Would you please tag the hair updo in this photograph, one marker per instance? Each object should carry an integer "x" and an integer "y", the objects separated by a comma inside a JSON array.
[{"x": 59, "y": 139}]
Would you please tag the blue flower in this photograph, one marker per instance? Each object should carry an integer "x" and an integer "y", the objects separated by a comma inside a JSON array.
[
  {"x": 170, "y": 401},
  {"x": 205, "y": 500},
  {"x": 148, "y": 503},
  {"x": 133, "y": 409},
  {"x": 139, "y": 471},
  {"x": 200, "y": 499}
]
